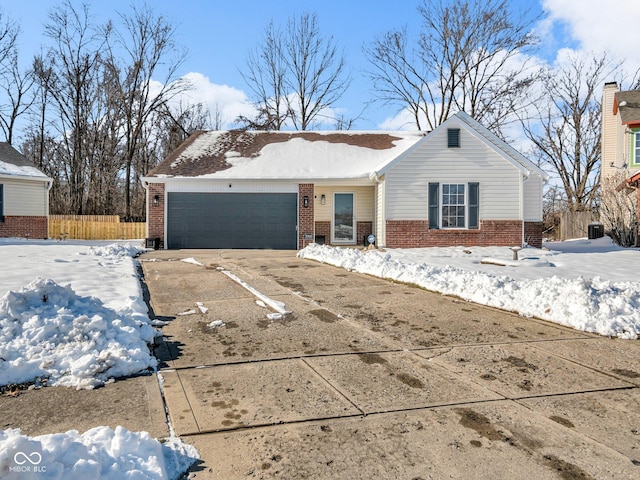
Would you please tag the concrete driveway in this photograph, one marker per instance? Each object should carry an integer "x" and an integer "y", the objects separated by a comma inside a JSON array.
[{"x": 370, "y": 379}]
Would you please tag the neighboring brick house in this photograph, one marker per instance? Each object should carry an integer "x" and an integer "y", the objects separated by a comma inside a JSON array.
[
  {"x": 24, "y": 196},
  {"x": 620, "y": 144},
  {"x": 458, "y": 185}
]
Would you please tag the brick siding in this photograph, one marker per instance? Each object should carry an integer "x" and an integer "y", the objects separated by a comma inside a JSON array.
[
  {"x": 533, "y": 233},
  {"x": 324, "y": 229},
  {"x": 155, "y": 219},
  {"x": 363, "y": 229},
  {"x": 24, "y": 227},
  {"x": 306, "y": 224},
  {"x": 416, "y": 233}
]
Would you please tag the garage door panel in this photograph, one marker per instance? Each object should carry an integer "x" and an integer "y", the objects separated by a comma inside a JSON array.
[{"x": 232, "y": 220}]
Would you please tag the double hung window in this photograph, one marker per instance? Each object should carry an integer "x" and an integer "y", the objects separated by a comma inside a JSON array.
[{"x": 454, "y": 205}]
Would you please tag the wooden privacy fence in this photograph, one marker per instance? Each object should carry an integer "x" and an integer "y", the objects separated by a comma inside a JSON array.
[
  {"x": 94, "y": 227},
  {"x": 576, "y": 224}
]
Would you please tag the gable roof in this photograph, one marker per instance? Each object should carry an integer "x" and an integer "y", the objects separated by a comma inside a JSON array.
[
  {"x": 15, "y": 164},
  {"x": 628, "y": 104},
  {"x": 262, "y": 155},
  {"x": 483, "y": 134}
]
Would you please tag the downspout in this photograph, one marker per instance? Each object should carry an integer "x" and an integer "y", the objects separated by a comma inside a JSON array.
[
  {"x": 525, "y": 177},
  {"x": 376, "y": 180}
]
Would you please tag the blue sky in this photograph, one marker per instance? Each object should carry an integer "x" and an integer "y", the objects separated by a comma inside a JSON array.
[{"x": 219, "y": 34}]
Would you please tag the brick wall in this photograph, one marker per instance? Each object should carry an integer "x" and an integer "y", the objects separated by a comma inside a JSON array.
[
  {"x": 155, "y": 219},
  {"x": 24, "y": 227},
  {"x": 363, "y": 229},
  {"x": 324, "y": 228},
  {"x": 416, "y": 233},
  {"x": 533, "y": 233},
  {"x": 306, "y": 224}
]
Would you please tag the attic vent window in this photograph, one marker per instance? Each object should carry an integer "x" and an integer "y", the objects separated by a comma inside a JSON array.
[{"x": 453, "y": 137}]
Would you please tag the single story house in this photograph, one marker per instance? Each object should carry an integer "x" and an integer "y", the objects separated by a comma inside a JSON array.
[
  {"x": 24, "y": 196},
  {"x": 458, "y": 185}
]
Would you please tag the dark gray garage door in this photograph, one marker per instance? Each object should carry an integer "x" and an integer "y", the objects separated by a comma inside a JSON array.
[{"x": 232, "y": 220}]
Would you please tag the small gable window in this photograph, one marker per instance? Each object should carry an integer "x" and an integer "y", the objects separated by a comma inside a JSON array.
[
  {"x": 453, "y": 137},
  {"x": 635, "y": 157}
]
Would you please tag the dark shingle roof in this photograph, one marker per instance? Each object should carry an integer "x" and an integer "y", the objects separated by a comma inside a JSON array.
[
  {"x": 10, "y": 155},
  {"x": 13, "y": 163},
  {"x": 628, "y": 104}
]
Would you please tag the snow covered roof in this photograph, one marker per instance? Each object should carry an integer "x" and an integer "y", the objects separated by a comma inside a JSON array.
[
  {"x": 13, "y": 163},
  {"x": 263, "y": 155}
]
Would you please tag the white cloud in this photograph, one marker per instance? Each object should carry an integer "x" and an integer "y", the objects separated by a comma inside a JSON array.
[
  {"x": 600, "y": 26},
  {"x": 230, "y": 102}
]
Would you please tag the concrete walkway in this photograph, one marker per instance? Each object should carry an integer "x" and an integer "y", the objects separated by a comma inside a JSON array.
[{"x": 369, "y": 379}]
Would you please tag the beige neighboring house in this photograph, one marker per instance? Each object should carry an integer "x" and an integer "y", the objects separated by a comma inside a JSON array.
[
  {"x": 457, "y": 185},
  {"x": 621, "y": 139},
  {"x": 24, "y": 196}
]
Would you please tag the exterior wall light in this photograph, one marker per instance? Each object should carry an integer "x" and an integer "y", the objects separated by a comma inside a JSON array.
[
  {"x": 156, "y": 200},
  {"x": 305, "y": 201},
  {"x": 323, "y": 199}
]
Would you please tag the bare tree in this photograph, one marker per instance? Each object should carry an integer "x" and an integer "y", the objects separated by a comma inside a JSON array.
[
  {"x": 69, "y": 72},
  {"x": 565, "y": 128},
  {"x": 265, "y": 75},
  {"x": 465, "y": 58},
  {"x": 14, "y": 83},
  {"x": 295, "y": 74},
  {"x": 618, "y": 210},
  {"x": 148, "y": 41}
]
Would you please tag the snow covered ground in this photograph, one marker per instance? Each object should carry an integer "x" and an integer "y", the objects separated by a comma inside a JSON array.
[
  {"x": 590, "y": 285},
  {"x": 72, "y": 314}
]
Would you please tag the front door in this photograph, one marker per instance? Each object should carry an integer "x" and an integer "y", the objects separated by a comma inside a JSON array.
[{"x": 343, "y": 218}]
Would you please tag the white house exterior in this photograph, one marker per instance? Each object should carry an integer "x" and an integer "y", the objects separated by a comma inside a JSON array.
[
  {"x": 288, "y": 189},
  {"x": 24, "y": 196},
  {"x": 508, "y": 210}
]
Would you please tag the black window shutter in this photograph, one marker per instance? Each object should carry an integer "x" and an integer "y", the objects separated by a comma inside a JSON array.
[
  {"x": 453, "y": 137},
  {"x": 1, "y": 203},
  {"x": 434, "y": 196},
  {"x": 474, "y": 205}
]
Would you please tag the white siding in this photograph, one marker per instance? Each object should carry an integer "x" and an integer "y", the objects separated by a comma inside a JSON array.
[
  {"x": 408, "y": 180},
  {"x": 230, "y": 186},
  {"x": 533, "y": 199},
  {"x": 25, "y": 198},
  {"x": 379, "y": 228},
  {"x": 365, "y": 197}
]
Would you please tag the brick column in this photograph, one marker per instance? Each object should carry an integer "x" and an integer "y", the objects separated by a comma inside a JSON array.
[
  {"x": 306, "y": 222},
  {"x": 155, "y": 220}
]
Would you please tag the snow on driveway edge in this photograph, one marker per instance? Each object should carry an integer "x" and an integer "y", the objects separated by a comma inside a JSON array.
[{"x": 590, "y": 305}]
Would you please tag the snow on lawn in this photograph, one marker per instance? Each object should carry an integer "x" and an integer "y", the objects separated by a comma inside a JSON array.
[
  {"x": 98, "y": 453},
  {"x": 590, "y": 285},
  {"x": 71, "y": 313}
]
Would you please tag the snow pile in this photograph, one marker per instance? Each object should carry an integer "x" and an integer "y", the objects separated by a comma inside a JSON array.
[
  {"x": 98, "y": 453},
  {"x": 117, "y": 250},
  {"x": 587, "y": 304},
  {"x": 48, "y": 331}
]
